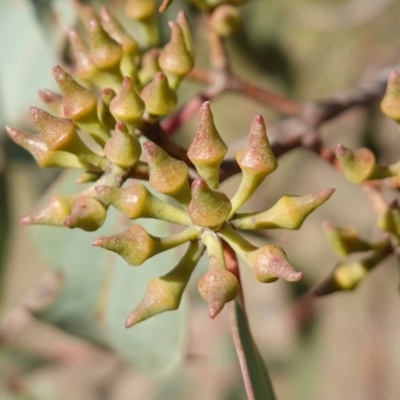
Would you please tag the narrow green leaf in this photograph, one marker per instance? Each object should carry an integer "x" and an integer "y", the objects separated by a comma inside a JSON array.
[
  {"x": 257, "y": 382},
  {"x": 100, "y": 290}
]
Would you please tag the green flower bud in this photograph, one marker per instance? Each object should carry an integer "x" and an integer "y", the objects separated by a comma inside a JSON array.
[
  {"x": 289, "y": 212},
  {"x": 134, "y": 245},
  {"x": 226, "y": 20},
  {"x": 84, "y": 12},
  {"x": 54, "y": 101},
  {"x": 208, "y": 207},
  {"x": 141, "y": 10},
  {"x": 167, "y": 175},
  {"x": 45, "y": 157},
  {"x": 87, "y": 214},
  {"x": 175, "y": 60},
  {"x": 117, "y": 32},
  {"x": 127, "y": 106},
  {"x": 130, "y": 46},
  {"x": 256, "y": 160},
  {"x": 78, "y": 101},
  {"x": 207, "y": 149},
  {"x": 149, "y": 66},
  {"x": 158, "y": 97},
  {"x": 389, "y": 220},
  {"x": 84, "y": 67},
  {"x": 80, "y": 105},
  {"x": 390, "y": 104},
  {"x": 105, "y": 52},
  {"x": 218, "y": 287},
  {"x": 165, "y": 293},
  {"x": 183, "y": 23},
  {"x": 270, "y": 263},
  {"x": 136, "y": 201},
  {"x": 360, "y": 165},
  {"x": 123, "y": 149},
  {"x": 347, "y": 275},
  {"x": 58, "y": 133},
  {"x": 57, "y": 209},
  {"x": 345, "y": 241},
  {"x": 105, "y": 116}
]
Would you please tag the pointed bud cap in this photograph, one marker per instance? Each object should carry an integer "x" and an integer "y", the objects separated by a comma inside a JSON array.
[
  {"x": 87, "y": 214},
  {"x": 183, "y": 23},
  {"x": 84, "y": 12},
  {"x": 57, "y": 209},
  {"x": 208, "y": 207},
  {"x": 390, "y": 104},
  {"x": 58, "y": 133},
  {"x": 149, "y": 65},
  {"x": 54, "y": 101},
  {"x": 256, "y": 156},
  {"x": 175, "y": 59},
  {"x": 344, "y": 241},
  {"x": 359, "y": 165},
  {"x": 167, "y": 175},
  {"x": 134, "y": 245},
  {"x": 165, "y": 293},
  {"x": 218, "y": 287},
  {"x": 289, "y": 212},
  {"x": 131, "y": 201},
  {"x": 84, "y": 67},
  {"x": 123, "y": 149},
  {"x": 105, "y": 115},
  {"x": 270, "y": 263},
  {"x": 45, "y": 157},
  {"x": 207, "y": 149},
  {"x": 127, "y": 106},
  {"x": 78, "y": 101},
  {"x": 389, "y": 220},
  {"x": 117, "y": 32},
  {"x": 161, "y": 296},
  {"x": 159, "y": 98},
  {"x": 164, "y": 6},
  {"x": 226, "y": 20},
  {"x": 141, "y": 10},
  {"x": 105, "y": 52}
]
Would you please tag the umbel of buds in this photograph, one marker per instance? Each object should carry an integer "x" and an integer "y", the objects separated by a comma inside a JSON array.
[{"x": 102, "y": 131}]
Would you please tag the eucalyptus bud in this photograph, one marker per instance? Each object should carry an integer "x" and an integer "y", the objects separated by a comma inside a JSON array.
[
  {"x": 45, "y": 157},
  {"x": 390, "y": 104},
  {"x": 127, "y": 106},
  {"x": 360, "y": 165},
  {"x": 165, "y": 293},
  {"x": 149, "y": 65},
  {"x": 218, "y": 287},
  {"x": 345, "y": 241},
  {"x": 256, "y": 161},
  {"x": 270, "y": 263},
  {"x": 389, "y": 220},
  {"x": 207, "y": 149},
  {"x": 105, "y": 116},
  {"x": 87, "y": 214},
  {"x": 175, "y": 59},
  {"x": 158, "y": 97},
  {"x": 58, "y": 133},
  {"x": 123, "y": 149},
  {"x": 183, "y": 23},
  {"x": 226, "y": 20},
  {"x": 167, "y": 175},
  {"x": 105, "y": 52},
  {"x": 137, "y": 202},
  {"x": 54, "y": 101},
  {"x": 289, "y": 212},
  {"x": 57, "y": 209},
  {"x": 208, "y": 207}
]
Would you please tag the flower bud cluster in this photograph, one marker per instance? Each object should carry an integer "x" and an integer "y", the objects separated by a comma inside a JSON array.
[
  {"x": 360, "y": 166},
  {"x": 96, "y": 125}
]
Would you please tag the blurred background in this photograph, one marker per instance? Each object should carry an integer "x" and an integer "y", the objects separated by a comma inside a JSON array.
[{"x": 343, "y": 346}]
